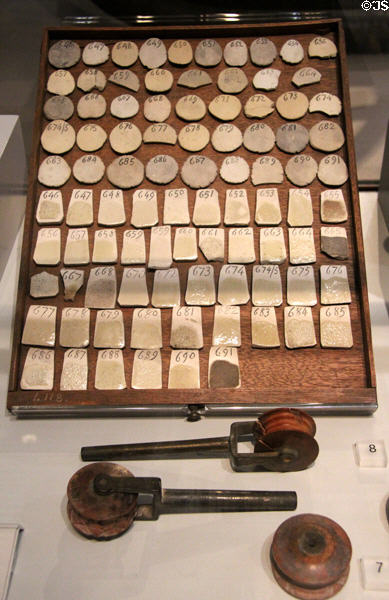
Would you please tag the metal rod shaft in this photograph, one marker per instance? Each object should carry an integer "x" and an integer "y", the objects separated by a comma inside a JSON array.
[{"x": 189, "y": 501}]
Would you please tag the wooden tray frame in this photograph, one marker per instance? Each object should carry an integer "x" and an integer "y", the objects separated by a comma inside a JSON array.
[{"x": 313, "y": 393}]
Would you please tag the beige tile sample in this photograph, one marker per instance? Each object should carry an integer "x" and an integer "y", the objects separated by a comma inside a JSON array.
[
  {"x": 109, "y": 329},
  {"x": 105, "y": 248},
  {"x": 144, "y": 208},
  {"x": 50, "y": 208},
  {"x": 166, "y": 288},
  {"x": 80, "y": 209},
  {"x": 48, "y": 246},
  {"x": 233, "y": 287},
  {"x": 134, "y": 247},
  {"x": 200, "y": 287},
  {"x": 211, "y": 243},
  {"x": 88, "y": 169},
  {"x": 124, "y": 53},
  {"x": 39, "y": 326},
  {"x": 198, "y": 171},
  {"x": 191, "y": 108},
  {"x": 161, "y": 169},
  {"x": 58, "y": 107},
  {"x": 327, "y": 103},
  {"x": 152, "y": 53},
  {"x": 208, "y": 53},
  {"x": 64, "y": 54},
  {"x": 157, "y": 108},
  {"x": 206, "y": 210},
  {"x": 266, "y": 170},
  {"x": 235, "y": 53},
  {"x": 158, "y": 80},
  {"x": 187, "y": 328},
  {"x": 237, "y": 210},
  {"x": 232, "y": 80},
  {"x": 333, "y": 242},
  {"x": 146, "y": 329},
  {"x": 258, "y": 106},
  {"x": 306, "y": 76},
  {"x": 332, "y": 170},
  {"x": 264, "y": 329},
  {"x": 54, "y": 171},
  {"x": 147, "y": 370},
  {"x": 301, "y": 169},
  {"x": 77, "y": 247},
  {"x": 110, "y": 370},
  {"x": 160, "y": 256},
  {"x": 111, "y": 208},
  {"x": 125, "y": 172},
  {"x": 125, "y": 138},
  {"x": 241, "y": 245},
  {"x": 334, "y": 285},
  {"x": 194, "y": 78},
  {"x": 44, "y": 285},
  {"x": 301, "y": 245},
  {"x": 272, "y": 246},
  {"x": 125, "y": 78},
  {"x": 124, "y": 106},
  {"x": 226, "y": 326},
  {"x": 101, "y": 288},
  {"x": 225, "y": 107},
  {"x": 160, "y": 133},
  {"x": 292, "y": 137},
  {"x": 267, "y": 209},
  {"x": 58, "y": 137},
  {"x": 38, "y": 370},
  {"x": 226, "y": 138},
  {"x": 89, "y": 79},
  {"x": 223, "y": 367},
  {"x": 335, "y": 327},
  {"x": 184, "y": 369},
  {"x": 91, "y": 106},
  {"x": 332, "y": 207},
  {"x": 193, "y": 137},
  {"x": 267, "y": 79},
  {"x": 133, "y": 288},
  {"x": 91, "y": 137},
  {"x": 266, "y": 285},
  {"x": 73, "y": 280},
  {"x": 300, "y": 286},
  {"x": 175, "y": 208},
  {"x": 300, "y": 212},
  {"x": 180, "y": 52},
  {"x": 61, "y": 82},
  {"x": 185, "y": 244},
  {"x": 95, "y": 53},
  {"x": 326, "y": 136},
  {"x": 292, "y": 52},
  {"x": 298, "y": 326},
  {"x": 74, "y": 329},
  {"x": 74, "y": 375},
  {"x": 259, "y": 138},
  {"x": 322, "y": 47},
  {"x": 234, "y": 169},
  {"x": 262, "y": 52}
]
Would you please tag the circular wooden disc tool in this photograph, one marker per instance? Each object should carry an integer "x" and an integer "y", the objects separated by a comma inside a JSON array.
[{"x": 310, "y": 557}]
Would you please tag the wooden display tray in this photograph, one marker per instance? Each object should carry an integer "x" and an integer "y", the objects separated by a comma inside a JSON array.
[{"x": 319, "y": 380}]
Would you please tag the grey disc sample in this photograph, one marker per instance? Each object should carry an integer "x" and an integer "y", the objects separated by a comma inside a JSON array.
[
  {"x": 125, "y": 172},
  {"x": 88, "y": 169},
  {"x": 292, "y": 138},
  {"x": 301, "y": 170},
  {"x": 259, "y": 137},
  {"x": 152, "y": 53},
  {"x": 124, "y": 106},
  {"x": 234, "y": 169},
  {"x": 326, "y": 136},
  {"x": 262, "y": 52},
  {"x": 235, "y": 53},
  {"x": 64, "y": 54},
  {"x": 198, "y": 171},
  {"x": 194, "y": 78},
  {"x": 161, "y": 169},
  {"x": 332, "y": 170},
  {"x": 208, "y": 53},
  {"x": 58, "y": 107},
  {"x": 125, "y": 78}
]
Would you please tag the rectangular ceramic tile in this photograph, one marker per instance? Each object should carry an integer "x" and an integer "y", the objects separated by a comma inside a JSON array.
[
  {"x": 160, "y": 256},
  {"x": 211, "y": 243},
  {"x": 334, "y": 285},
  {"x": 184, "y": 369},
  {"x": 200, "y": 287},
  {"x": 48, "y": 246},
  {"x": 74, "y": 374},
  {"x": 109, "y": 329},
  {"x": 74, "y": 329},
  {"x": 73, "y": 280},
  {"x": 299, "y": 328},
  {"x": 301, "y": 245},
  {"x": 146, "y": 328},
  {"x": 80, "y": 209},
  {"x": 264, "y": 329},
  {"x": 101, "y": 288},
  {"x": 187, "y": 329},
  {"x": 105, "y": 248},
  {"x": 335, "y": 327},
  {"x": 166, "y": 288},
  {"x": 301, "y": 289},
  {"x": 111, "y": 208},
  {"x": 272, "y": 246},
  {"x": 300, "y": 212},
  {"x": 38, "y": 370},
  {"x": 39, "y": 327},
  {"x": 133, "y": 288},
  {"x": 223, "y": 367},
  {"x": 144, "y": 208},
  {"x": 333, "y": 242},
  {"x": 185, "y": 244},
  {"x": 134, "y": 247},
  {"x": 241, "y": 245},
  {"x": 110, "y": 370},
  {"x": 233, "y": 287},
  {"x": 332, "y": 207},
  {"x": 266, "y": 285},
  {"x": 175, "y": 209},
  {"x": 267, "y": 210},
  {"x": 206, "y": 212},
  {"x": 226, "y": 326},
  {"x": 236, "y": 211},
  {"x": 50, "y": 208},
  {"x": 147, "y": 370},
  {"x": 77, "y": 247},
  {"x": 44, "y": 285}
]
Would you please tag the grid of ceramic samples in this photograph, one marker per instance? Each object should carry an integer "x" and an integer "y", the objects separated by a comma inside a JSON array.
[{"x": 166, "y": 191}]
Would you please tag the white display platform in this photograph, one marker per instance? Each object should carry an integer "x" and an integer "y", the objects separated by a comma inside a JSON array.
[{"x": 199, "y": 556}]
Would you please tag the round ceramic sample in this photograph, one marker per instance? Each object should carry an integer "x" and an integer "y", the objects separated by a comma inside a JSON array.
[
  {"x": 124, "y": 106},
  {"x": 292, "y": 138},
  {"x": 332, "y": 170},
  {"x": 258, "y": 106},
  {"x": 54, "y": 171},
  {"x": 326, "y": 136},
  {"x": 161, "y": 169},
  {"x": 226, "y": 138},
  {"x": 157, "y": 108},
  {"x": 152, "y": 53},
  {"x": 191, "y": 108},
  {"x": 180, "y": 52},
  {"x": 235, "y": 53},
  {"x": 95, "y": 53},
  {"x": 193, "y": 137},
  {"x": 90, "y": 79},
  {"x": 91, "y": 137},
  {"x": 232, "y": 80},
  {"x": 88, "y": 169},
  {"x": 58, "y": 137},
  {"x": 225, "y": 107},
  {"x": 91, "y": 106},
  {"x": 124, "y": 54},
  {"x": 259, "y": 137},
  {"x": 327, "y": 103},
  {"x": 125, "y": 138},
  {"x": 125, "y": 172},
  {"x": 266, "y": 79},
  {"x": 301, "y": 170},
  {"x": 64, "y": 54},
  {"x": 234, "y": 169},
  {"x": 292, "y": 105},
  {"x": 198, "y": 171},
  {"x": 292, "y": 52},
  {"x": 61, "y": 82},
  {"x": 267, "y": 169},
  {"x": 194, "y": 78},
  {"x": 125, "y": 78},
  {"x": 158, "y": 80},
  {"x": 58, "y": 107},
  {"x": 208, "y": 53},
  {"x": 262, "y": 52},
  {"x": 306, "y": 76},
  {"x": 321, "y": 47},
  {"x": 160, "y": 133}
]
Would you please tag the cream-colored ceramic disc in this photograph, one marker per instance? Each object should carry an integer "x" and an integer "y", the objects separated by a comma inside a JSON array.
[
  {"x": 61, "y": 82},
  {"x": 208, "y": 53},
  {"x": 58, "y": 107},
  {"x": 301, "y": 170},
  {"x": 161, "y": 169},
  {"x": 91, "y": 106},
  {"x": 326, "y": 136},
  {"x": 157, "y": 108},
  {"x": 90, "y": 79},
  {"x": 125, "y": 172},
  {"x": 292, "y": 105},
  {"x": 225, "y": 107},
  {"x": 226, "y": 138},
  {"x": 198, "y": 171},
  {"x": 258, "y": 106},
  {"x": 235, "y": 53},
  {"x": 327, "y": 103},
  {"x": 306, "y": 76},
  {"x": 232, "y": 80},
  {"x": 193, "y": 137},
  {"x": 194, "y": 78},
  {"x": 191, "y": 108},
  {"x": 332, "y": 170},
  {"x": 267, "y": 169},
  {"x": 180, "y": 52},
  {"x": 54, "y": 171},
  {"x": 152, "y": 53},
  {"x": 124, "y": 106},
  {"x": 64, "y": 54},
  {"x": 125, "y": 78},
  {"x": 234, "y": 169},
  {"x": 266, "y": 79},
  {"x": 95, "y": 53},
  {"x": 292, "y": 52},
  {"x": 292, "y": 137},
  {"x": 259, "y": 137},
  {"x": 125, "y": 138},
  {"x": 262, "y": 52},
  {"x": 160, "y": 133},
  {"x": 58, "y": 137},
  {"x": 91, "y": 138},
  {"x": 322, "y": 47},
  {"x": 124, "y": 54},
  {"x": 88, "y": 169},
  {"x": 158, "y": 80}
]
